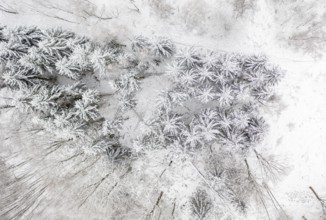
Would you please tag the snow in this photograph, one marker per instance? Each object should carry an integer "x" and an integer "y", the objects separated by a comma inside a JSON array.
[{"x": 296, "y": 119}]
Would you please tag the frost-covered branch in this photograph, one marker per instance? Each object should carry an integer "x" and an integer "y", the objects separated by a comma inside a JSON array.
[
  {"x": 201, "y": 204},
  {"x": 320, "y": 200}
]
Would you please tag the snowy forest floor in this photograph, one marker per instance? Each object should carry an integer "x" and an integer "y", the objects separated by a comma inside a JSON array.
[{"x": 291, "y": 33}]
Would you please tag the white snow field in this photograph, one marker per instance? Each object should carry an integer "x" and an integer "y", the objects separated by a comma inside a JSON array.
[{"x": 292, "y": 35}]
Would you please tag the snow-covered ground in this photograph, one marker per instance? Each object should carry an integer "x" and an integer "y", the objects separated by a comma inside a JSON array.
[{"x": 291, "y": 33}]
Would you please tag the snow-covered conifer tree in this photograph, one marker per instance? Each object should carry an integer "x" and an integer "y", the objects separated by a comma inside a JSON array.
[
  {"x": 163, "y": 47},
  {"x": 11, "y": 51},
  {"x": 99, "y": 59},
  {"x": 23, "y": 77},
  {"x": 159, "y": 47},
  {"x": 26, "y": 35},
  {"x": 67, "y": 68}
]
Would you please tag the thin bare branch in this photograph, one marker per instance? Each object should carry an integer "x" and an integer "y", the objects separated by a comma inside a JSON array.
[
  {"x": 135, "y": 7},
  {"x": 322, "y": 201},
  {"x": 149, "y": 216},
  {"x": 7, "y": 10},
  {"x": 96, "y": 16}
]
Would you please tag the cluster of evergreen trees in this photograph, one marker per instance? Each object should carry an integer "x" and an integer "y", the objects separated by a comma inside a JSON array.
[
  {"x": 37, "y": 54},
  {"x": 151, "y": 53},
  {"x": 215, "y": 99},
  {"x": 33, "y": 59}
]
